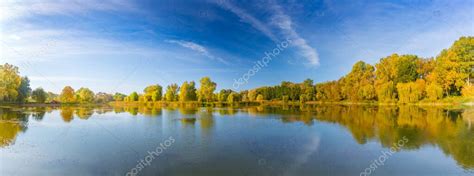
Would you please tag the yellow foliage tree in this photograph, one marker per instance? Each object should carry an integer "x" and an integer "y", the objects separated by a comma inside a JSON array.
[
  {"x": 411, "y": 92},
  {"x": 468, "y": 91},
  {"x": 454, "y": 66},
  {"x": 434, "y": 91},
  {"x": 10, "y": 81},
  {"x": 67, "y": 95}
]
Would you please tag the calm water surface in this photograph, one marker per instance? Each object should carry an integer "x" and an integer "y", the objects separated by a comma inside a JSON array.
[{"x": 316, "y": 140}]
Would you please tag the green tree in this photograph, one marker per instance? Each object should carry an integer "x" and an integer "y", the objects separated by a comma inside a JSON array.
[
  {"x": 205, "y": 93},
  {"x": 133, "y": 97},
  {"x": 85, "y": 95},
  {"x": 308, "y": 89},
  {"x": 67, "y": 95},
  {"x": 187, "y": 91},
  {"x": 39, "y": 95},
  {"x": 153, "y": 93},
  {"x": 24, "y": 90},
  {"x": 285, "y": 98},
  {"x": 172, "y": 92},
  {"x": 232, "y": 98},
  {"x": 223, "y": 94},
  {"x": 119, "y": 97},
  {"x": 303, "y": 98}
]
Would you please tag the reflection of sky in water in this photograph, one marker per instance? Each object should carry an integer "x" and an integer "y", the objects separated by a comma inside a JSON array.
[{"x": 334, "y": 140}]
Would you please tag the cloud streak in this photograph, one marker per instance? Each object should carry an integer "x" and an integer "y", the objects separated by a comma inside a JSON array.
[
  {"x": 279, "y": 20},
  {"x": 284, "y": 22},
  {"x": 197, "y": 48},
  {"x": 247, "y": 18}
]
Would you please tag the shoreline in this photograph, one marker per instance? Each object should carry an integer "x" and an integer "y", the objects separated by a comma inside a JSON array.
[{"x": 241, "y": 104}]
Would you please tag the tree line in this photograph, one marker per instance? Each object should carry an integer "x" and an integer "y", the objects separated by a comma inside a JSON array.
[{"x": 395, "y": 78}]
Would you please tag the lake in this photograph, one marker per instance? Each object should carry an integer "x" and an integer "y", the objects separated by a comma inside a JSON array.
[{"x": 287, "y": 140}]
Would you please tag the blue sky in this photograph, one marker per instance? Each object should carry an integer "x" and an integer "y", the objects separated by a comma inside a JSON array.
[{"x": 114, "y": 45}]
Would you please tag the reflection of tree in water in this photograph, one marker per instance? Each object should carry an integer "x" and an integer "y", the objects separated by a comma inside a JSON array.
[
  {"x": 103, "y": 110},
  {"x": 389, "y": 124},
  {"x": 206, "y": 119},
  {"x": 151, "y": 111},
  {"x": 191, "y": 111},
  {"x": 132, "y": 110},
  {"x": 188, "y": 121},
  {"x": 11, "y": 124},
  {"x": 227, "y": 111},
  {"x": 38, "y": 113},
  {"x": 84, "y": 113},
  {"x": 451, "y": 130},
  {"x": 119, "y": 109},
  {"x": 67, "y": 113},
  {"x": 469, "y": 117}
]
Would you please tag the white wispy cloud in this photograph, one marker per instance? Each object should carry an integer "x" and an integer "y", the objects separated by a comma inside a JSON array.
[
  {"x": 247, "y": 18},
  {"x": 282, "y": 22},
  {"x": 198, "y": 48}
]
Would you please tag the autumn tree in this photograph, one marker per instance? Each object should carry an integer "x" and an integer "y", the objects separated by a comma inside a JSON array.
[
  {"x": 252, "y": 95},
  {"x": 425, "y": 67},
  {"x": 392, "y": 70},
  {"x": 119, "y": 97},
  {"x": 10, "y": 81},
  {"x": 411, "y": 92},
  {"x": 187, "y": 91},
  {"x": 232, "y": 98},
  {"x": 67, "y": 95},
  {"x": 223, "y": 94},
  {"x": 328, "y": 91},
  {"x": 468, "y": 91},
  {"x": 358, "y": 85},
  {"x": 206, "y": 90},
  {"x": 260, "y": 98},
  {"x": 153, "y": 93},
  {"x": 434, "y": 91},
  {"x": 172, "y": 92},
  {"x": 84, "y": 95},
  {"x": 454, "y": 66}
]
